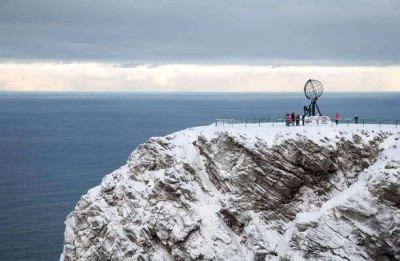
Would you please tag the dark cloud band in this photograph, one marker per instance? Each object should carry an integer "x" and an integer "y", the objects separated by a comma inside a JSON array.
[{"x": 202, "y": 31}]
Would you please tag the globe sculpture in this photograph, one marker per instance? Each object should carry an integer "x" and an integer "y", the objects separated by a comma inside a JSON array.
[{"x": 313, "y": 89}]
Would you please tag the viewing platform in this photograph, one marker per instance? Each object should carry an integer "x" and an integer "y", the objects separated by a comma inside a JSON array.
[{"x": 270, "y": 121}]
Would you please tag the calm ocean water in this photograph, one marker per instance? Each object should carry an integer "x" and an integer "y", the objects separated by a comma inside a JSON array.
[{"x": 54, "y": 147}]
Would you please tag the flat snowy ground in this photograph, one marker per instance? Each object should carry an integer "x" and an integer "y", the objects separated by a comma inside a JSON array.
[
  {"x": 245, "y": 192},
  {"x": 272, "y": 132}
]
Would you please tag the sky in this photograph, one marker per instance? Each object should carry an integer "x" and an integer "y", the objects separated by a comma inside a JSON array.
[{"x": 187, "y": 45}]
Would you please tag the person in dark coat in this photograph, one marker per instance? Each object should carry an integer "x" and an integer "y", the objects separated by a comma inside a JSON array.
[
  {"x": 303, "y": 118},
  {"x": 356, "y": 119},
  {"x": 293, "y": 117},
  {"x": 298, "y": 120}
]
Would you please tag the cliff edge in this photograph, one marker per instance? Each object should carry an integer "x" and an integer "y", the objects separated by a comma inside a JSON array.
[{"x": 254, "y": 193}]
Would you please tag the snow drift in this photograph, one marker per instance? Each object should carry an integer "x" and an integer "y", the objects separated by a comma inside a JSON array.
[{"x": 254, "y": 193}]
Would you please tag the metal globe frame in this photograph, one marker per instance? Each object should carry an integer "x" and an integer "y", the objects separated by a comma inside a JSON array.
[{"x": 313, "y": 89}]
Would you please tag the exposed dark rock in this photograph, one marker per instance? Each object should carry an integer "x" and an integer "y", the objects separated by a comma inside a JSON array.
[{"x": 244, "y": 195}]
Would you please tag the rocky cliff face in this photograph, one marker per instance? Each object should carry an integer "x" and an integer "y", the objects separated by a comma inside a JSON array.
[{"x": 246, "y": 194}]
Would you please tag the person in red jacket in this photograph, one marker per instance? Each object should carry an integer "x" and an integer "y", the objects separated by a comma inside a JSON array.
[
  {"x": 288, "y": 119},
  {"x": 337, "y": 118}
]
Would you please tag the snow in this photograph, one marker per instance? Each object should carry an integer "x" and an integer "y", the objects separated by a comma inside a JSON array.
[
  {"x": 270, "y": 132},
  {"x": 208, "y": 200}
]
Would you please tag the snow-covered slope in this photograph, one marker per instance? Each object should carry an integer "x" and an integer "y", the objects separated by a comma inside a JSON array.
[{"x": 247, "y": 193}]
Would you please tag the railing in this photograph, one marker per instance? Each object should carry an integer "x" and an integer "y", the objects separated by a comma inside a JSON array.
[
  {"x": 260, "y": 120},
  {"x": 363, "y": 122},
  {"x": 247, "y": 120}
]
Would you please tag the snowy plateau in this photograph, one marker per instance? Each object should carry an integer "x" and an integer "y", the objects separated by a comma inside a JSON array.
[{"x": 247, "y": 193}]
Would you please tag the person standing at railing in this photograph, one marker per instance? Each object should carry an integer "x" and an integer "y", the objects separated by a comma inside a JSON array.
[
  {"x": 288, "y": 119},
  {"x": 337, "y": 118},
  {"x": 298, "y": 120},
  {"x": 305, "y": 108},
  {"x": 293, "y": 118},
  {"x": 356, "y": 119},
  {"x": 303, "y": 118}
]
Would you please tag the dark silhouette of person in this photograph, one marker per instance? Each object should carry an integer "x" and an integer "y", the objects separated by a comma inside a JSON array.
[
  {"x": 356, "y": 119},
  {"x": 293, "y": 118},
  {"x": 305, "y": 109},
  {"x": 298, "y": 120},
  {"x": 303, "y": 118}
]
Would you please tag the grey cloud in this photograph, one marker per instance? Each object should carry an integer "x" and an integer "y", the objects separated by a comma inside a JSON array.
[{"x": 354, "y": 31}]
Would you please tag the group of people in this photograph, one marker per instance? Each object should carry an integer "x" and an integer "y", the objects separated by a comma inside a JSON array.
[{"x": 292, "y": 119}]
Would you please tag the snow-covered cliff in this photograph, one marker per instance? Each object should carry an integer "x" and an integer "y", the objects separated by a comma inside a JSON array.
[{"x": 254, "y": 193}]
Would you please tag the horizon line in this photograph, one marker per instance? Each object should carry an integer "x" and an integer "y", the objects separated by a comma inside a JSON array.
[{"x": 175, "y": 92}]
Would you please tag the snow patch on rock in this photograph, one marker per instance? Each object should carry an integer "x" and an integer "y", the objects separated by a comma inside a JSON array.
[{"x": 247, "y": 193}]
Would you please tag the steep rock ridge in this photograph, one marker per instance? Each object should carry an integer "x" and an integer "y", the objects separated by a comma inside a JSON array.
[{"x": 246, "y": 194}]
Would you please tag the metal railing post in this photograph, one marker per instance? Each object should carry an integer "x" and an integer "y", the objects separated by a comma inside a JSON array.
[
  {"x": 379, "y": 121},
  {"x": 363, "y": 123}
]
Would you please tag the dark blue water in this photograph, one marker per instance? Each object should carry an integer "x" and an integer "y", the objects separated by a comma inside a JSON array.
[{"x": 54, "y": 147}]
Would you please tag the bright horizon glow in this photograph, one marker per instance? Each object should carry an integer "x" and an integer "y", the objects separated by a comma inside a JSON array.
[{"x": 111, "y": 77}]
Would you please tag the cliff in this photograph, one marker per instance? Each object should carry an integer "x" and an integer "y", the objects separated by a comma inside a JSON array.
[{"x": 254, "y": 193}]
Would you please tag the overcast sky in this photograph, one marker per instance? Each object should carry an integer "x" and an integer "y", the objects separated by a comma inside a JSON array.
[{"x": 43, "y": 37}]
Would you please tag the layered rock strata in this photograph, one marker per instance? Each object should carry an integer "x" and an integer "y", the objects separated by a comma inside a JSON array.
[{"x": 246, "y": 194}]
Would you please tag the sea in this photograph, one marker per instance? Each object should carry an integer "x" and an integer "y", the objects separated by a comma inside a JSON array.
[{"x": 54, "y": 147}]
